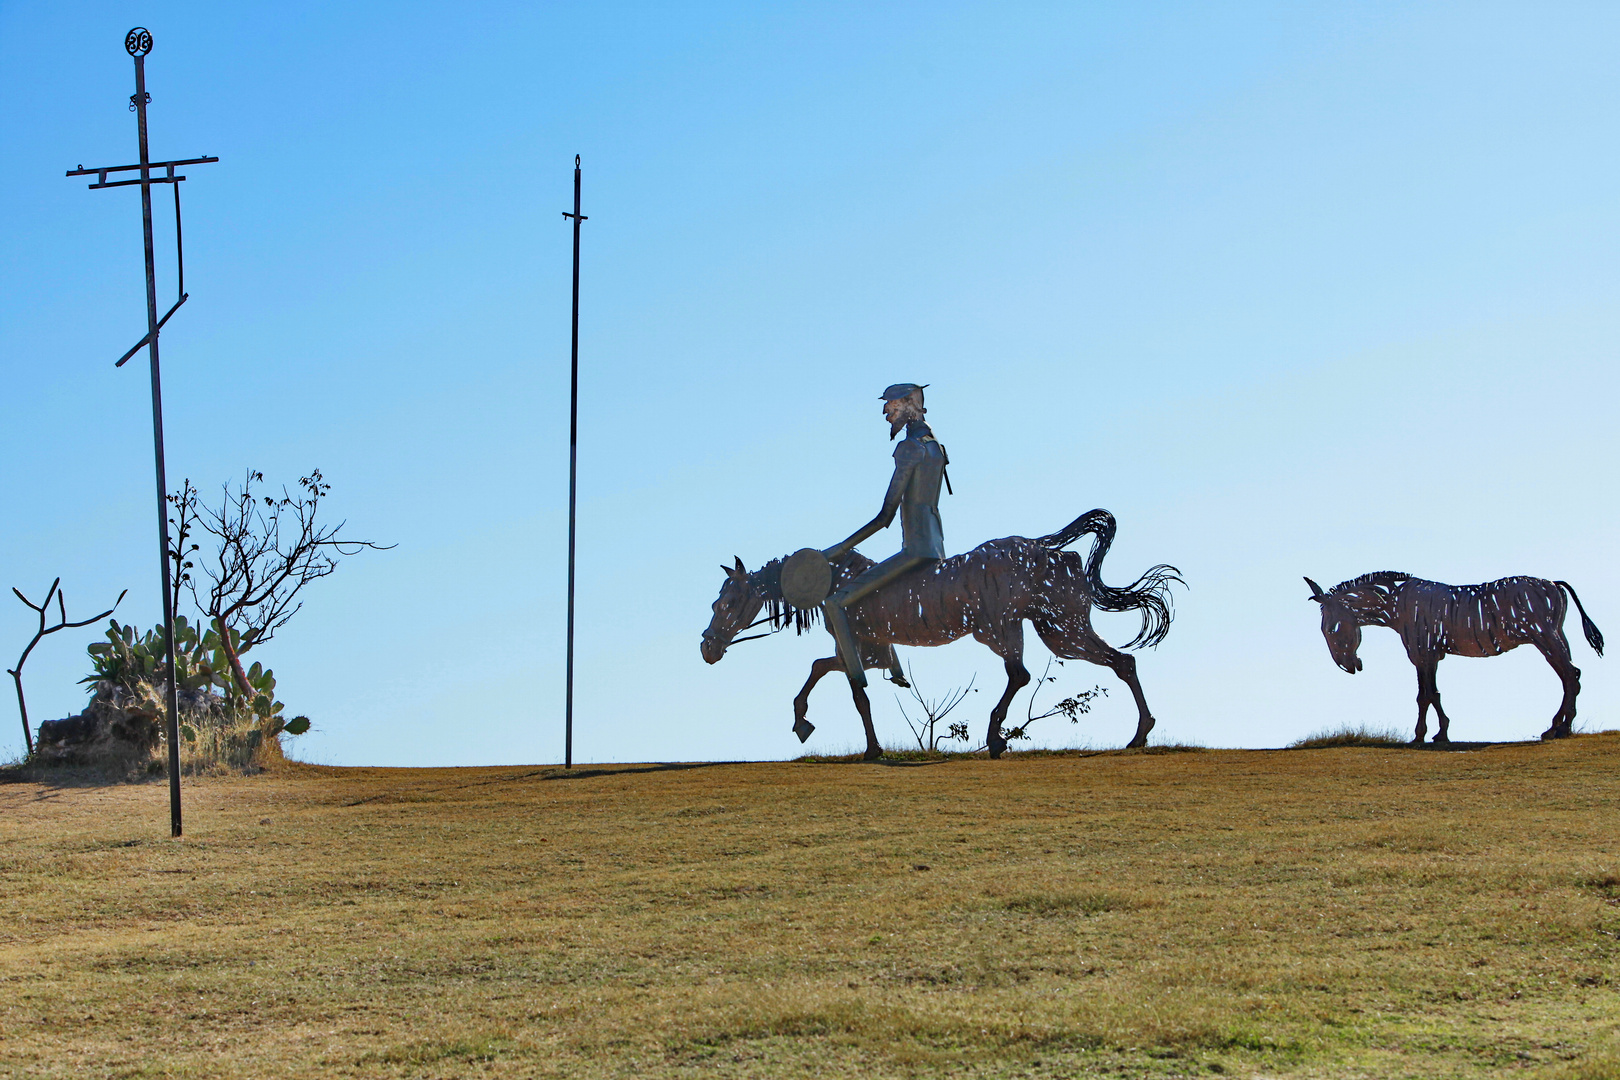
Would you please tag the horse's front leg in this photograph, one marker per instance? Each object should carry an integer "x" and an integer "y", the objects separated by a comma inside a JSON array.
[
  {"x": 801, "y": 704},
  {"x": 864, "y": 707}
]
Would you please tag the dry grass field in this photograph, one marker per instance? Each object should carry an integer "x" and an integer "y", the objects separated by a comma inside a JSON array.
[{"x": 1339, "y": 912}]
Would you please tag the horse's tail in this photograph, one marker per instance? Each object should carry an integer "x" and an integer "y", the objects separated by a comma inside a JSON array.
[
  {"x": 1149, "y": 593},
  {"x": 1594, "y": 636}
]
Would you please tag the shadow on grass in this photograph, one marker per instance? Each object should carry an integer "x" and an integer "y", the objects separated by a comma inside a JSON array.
[
  {"x": 910, "y": 758},
  {"x": 79, "y": 776}
]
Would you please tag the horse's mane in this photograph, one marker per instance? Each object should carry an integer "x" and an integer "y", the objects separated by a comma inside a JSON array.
[{"x": 768, "y": 581}]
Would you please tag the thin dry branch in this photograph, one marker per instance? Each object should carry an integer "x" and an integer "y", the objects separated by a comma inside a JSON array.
[
  {"x": 270, "y": 548},
  {"x": 62, "y": 624}
]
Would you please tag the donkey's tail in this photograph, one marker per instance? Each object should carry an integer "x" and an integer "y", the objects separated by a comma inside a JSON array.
[
  {"x": 1594, "y": 636},
  {"x": 1149, "y": 593}
]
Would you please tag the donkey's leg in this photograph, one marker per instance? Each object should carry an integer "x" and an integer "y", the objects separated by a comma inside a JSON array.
[
  {"x": 1556, "y": 649},
  {"x": 1423, "y": 677},
  {"x": 1429, "y": 694},
  {"x": 801, "y": 704},
  {"x": 1442, "y": 734}
]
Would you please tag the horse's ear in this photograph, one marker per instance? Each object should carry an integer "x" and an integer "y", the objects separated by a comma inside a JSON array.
[
  {"x": 1316, "y": 590},
  {"x": 742, "y": 571}
]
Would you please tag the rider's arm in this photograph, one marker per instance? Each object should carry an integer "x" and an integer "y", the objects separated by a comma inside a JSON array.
[{"x": 904, "y": 463}]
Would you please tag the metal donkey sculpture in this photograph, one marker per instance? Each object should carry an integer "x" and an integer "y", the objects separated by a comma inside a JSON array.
[
  {"x": 1462, "y": 620},
  {"x": 987, "y": 592}
]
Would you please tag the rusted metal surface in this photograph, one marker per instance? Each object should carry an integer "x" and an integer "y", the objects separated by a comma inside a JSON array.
[
  {"x": 1436, "y": 620},
  {"x": 988, "y": 592}
]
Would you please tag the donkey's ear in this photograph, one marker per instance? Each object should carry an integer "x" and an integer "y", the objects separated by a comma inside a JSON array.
[{"x": 1316, "y": 590}]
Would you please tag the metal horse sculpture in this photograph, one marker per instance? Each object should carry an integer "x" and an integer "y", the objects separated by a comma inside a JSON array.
[
  {"x": 1462, "y": 620},
  {"x": 987, "y": 592}
]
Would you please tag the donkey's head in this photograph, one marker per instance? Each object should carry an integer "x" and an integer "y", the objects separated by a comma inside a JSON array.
[
  {"x": 1340, "y": 627},
  {"x": 736, "y": 607}
]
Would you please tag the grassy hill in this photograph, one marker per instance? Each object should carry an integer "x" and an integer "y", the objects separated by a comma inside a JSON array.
[{"x": 1344, "y": 911}]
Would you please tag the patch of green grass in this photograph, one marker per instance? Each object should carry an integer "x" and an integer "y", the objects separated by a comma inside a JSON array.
[{"x": 1358, "y": 735}]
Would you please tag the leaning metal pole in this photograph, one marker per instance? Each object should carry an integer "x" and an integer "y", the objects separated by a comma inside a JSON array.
[
  {"x": 139, "y": 44},
  {"x": 573, "y": 463}
]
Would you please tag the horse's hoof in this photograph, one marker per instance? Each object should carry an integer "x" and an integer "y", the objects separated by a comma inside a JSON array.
[
  {"x": 802, "y": 728},
  {"x": 899, "y": 680},
  {"x": 1442, "y": 740}
]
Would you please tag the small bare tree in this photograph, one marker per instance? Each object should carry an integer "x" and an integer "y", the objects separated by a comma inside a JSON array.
[
  {"x": 61, "y": 624},
  {"x": 926, "y": 729},
  {"x": 1072, "y": 707},
  {"x": 270, "y": 547}
]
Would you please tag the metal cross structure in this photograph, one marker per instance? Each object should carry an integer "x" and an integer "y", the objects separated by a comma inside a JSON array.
[
  {"x": 138, "y": 42},
  {"x": 573, "y": 461}
]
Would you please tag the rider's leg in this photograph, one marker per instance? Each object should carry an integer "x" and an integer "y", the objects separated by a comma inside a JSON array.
[
  {"x": 874, "y": 578},
  {"x": 896, "y": 675}
]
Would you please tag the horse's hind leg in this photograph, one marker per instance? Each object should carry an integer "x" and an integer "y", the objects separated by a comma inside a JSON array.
[
  {"x": 801, "y": 704},
  {"x": 1082, "y": 643},
  {"x": 1556, "y": 650}
]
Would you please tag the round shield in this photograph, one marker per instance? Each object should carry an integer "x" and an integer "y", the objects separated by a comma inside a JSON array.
[{"x": 806, "y": 578}]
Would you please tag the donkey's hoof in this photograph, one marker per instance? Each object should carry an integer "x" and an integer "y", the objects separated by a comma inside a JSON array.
[{"x": 802, "y": 728}]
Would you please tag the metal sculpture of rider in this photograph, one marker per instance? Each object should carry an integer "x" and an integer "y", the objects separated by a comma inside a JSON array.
[{"x": 919, "y": 469}]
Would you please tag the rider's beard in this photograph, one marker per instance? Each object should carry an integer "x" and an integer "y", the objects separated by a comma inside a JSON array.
[{"x": 911, "y": 411}]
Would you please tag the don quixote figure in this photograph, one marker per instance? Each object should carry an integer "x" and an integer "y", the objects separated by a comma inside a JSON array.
[
  {"x": 921, "y": 598},
  {"x": 1436, "y": 620}
]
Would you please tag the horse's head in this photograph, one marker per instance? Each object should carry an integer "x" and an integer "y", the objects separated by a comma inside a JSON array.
[
  {"x": 735, "y": 609},
  {"x": 1340, "y": 627}
]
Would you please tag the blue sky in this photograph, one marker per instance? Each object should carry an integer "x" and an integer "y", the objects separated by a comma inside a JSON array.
[{"x": 1290, "y": 289}]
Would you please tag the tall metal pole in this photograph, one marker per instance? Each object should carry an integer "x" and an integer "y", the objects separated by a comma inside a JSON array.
[
  {"x": 139, "y": 43},
  {"x": 573, "y": 463}
]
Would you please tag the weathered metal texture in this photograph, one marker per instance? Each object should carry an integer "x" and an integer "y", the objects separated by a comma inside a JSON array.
[
  {"x": 988, "y": 592},
  {"x": 138, "y": 43},
  {"x": 807, "y": 578},
  {"x": 1435, "y": 620},
  {"x": 919, "y": 468}
]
